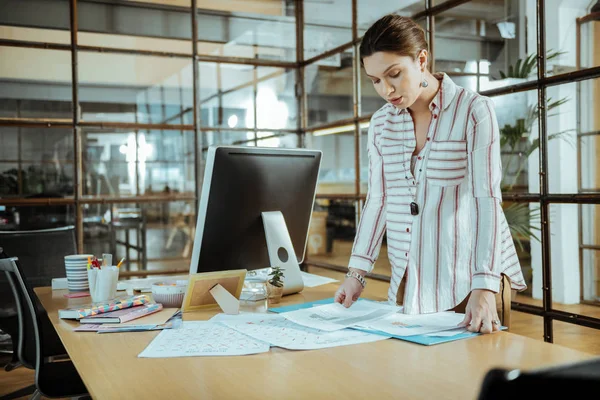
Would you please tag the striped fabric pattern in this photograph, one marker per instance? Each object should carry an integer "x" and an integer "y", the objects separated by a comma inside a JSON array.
[{"x": 460, "y": 239}]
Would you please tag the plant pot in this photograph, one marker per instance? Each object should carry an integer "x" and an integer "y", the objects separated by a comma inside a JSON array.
[{"x": 274, "y": 293}]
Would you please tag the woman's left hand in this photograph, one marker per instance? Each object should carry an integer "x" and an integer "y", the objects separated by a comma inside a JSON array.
[{"x": 480, "y": 314}]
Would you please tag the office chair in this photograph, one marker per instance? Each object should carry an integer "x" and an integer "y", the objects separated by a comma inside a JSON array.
[
  {"x": 42, "y": 252},
  {"x": 550, "y": 383},
  {"x": 52, "y": 379}
]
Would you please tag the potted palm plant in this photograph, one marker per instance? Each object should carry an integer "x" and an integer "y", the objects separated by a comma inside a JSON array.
[
  {"x": 516, "y": 140},
  {"x": 275, "y": 285}
]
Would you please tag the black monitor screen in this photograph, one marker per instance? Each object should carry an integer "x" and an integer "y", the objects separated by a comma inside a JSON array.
[{"x": 239, "y": 184}]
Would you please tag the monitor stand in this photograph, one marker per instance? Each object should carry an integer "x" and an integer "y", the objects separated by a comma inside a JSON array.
[{"x": 281, "y": 251}]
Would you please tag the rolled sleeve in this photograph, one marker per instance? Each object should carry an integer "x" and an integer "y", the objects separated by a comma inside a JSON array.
[
  {"x": 485, "y": 170},
  {"x": 369, "y": 234}
]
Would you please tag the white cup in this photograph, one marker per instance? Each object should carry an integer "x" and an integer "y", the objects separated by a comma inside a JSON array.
[
  {"x": 75, "y": 269},
  {"x": 103, "y": 283}
]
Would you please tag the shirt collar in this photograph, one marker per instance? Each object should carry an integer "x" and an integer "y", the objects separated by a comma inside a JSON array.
[{"x": 447, "y": 91}]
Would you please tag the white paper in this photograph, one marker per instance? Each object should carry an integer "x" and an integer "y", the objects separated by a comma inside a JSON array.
[
  {"x": 334, "y": 316},
  {"x": 281, "y": 332},
  {"x": 312, "y": 280},
  {"x": 202, "y": 338},
  {"x": 400, "y": 324}
]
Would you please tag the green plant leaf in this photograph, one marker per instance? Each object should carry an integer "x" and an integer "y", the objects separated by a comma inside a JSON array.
[
  {"x": 519, "y": 218},
  {"x": 535, "y": 144}
]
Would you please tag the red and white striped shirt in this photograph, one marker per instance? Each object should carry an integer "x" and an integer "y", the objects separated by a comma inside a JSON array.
[{"x": 459, "y": 240}]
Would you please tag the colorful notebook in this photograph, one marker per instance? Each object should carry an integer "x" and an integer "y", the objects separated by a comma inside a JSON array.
[
  {"x": 85, "y": 310},
  {"x": 425, "y": 340},
  {"x": 122, "y": 315},
  {"x": 163, "y": 319}
]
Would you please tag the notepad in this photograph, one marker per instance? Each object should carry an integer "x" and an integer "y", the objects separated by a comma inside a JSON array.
[
  {"x": 163, "y": 319},
  {"x": 124, "y": 315},
  {"x": 86, "y": 310}
]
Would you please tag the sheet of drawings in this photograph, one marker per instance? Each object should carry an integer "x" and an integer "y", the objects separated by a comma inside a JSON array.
[
  {"x": 399, "y": 324},
  {"x": 284, "y": 333},
  {"x": 202, "y": 338},
  {"x": 334, "y": 316}
]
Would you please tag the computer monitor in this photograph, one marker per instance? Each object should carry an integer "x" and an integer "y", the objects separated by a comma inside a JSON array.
[{"x": 249, "y": 195}]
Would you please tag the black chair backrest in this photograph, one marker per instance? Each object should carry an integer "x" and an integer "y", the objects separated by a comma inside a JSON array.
[
  {"x": 42, "y": 252},
  {"x": 30, "y": 328},
  {"x": 501, "y": 383}
]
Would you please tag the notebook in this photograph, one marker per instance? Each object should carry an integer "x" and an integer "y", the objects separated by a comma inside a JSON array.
[
  {"x": 122, "y": 315},
  {"x": 164, "y": 319},
  {"x": 425, "y": 340},
  {"x": 85, "y": 310}
]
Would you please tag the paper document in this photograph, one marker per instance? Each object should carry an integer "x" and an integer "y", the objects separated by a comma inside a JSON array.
[
  {"x": 334, "y": 316},
  {"x": 399, "y": 324},
  {"x": 202, "y": 338},
  {"x": 312, "y": 280},
  {"x": 281, "y": 332}
]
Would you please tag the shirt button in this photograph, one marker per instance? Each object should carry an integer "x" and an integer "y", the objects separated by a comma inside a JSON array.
[
  {"x": 413, "y": 182},
  {"x": 434, "y": 116},
  {"x": 407, "y": 229},
  {"x": 406, "y": 254},
  {"x": 420, "y": 158},
  {"x": 428, "y": 139}
]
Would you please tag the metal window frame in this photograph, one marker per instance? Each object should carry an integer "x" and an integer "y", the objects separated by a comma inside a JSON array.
[{"x": 544, "y": 198}]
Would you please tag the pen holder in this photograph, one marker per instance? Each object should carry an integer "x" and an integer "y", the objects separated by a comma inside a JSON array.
[{"x": 103, "y": 283}]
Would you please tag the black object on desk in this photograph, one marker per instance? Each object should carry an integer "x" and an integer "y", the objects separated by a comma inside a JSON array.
[{"x": 548, "y": 383}]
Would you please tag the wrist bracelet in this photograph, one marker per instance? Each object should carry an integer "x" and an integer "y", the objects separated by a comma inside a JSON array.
[{"x": 357, "y": 276}]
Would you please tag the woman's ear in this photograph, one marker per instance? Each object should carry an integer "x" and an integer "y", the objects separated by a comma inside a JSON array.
[{"x": 423, "y": 58}]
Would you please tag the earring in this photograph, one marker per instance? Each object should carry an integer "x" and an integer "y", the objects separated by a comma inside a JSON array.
[{"x": 424, "y": 83}]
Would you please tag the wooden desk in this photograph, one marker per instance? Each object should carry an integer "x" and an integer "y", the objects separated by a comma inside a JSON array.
[{"x": 109, "y": 366}]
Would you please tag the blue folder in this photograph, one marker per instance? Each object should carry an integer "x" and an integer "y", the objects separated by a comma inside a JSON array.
[{"x": 419, "y": 339}]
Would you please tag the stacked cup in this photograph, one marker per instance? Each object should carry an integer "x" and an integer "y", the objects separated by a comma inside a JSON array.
[{"x": 77, "y": 276}]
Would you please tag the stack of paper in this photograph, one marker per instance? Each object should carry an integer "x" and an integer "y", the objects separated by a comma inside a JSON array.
[
  {"x": 399, "y": 324},
  {"x": 425, "y": 329},
  {"x": 305, "y": 328},
  {"x": 281, "y": 332},
  {"x": 332, "y": 317}
]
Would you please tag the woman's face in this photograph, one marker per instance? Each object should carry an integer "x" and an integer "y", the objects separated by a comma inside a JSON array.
[{"x": 397, "y": 79}]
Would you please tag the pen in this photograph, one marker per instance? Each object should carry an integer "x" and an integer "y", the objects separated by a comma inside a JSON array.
[{"x": 120, "y": 262}]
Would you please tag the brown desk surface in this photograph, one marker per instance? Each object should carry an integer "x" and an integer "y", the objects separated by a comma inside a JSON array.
[{"x": 109, "y": 366}]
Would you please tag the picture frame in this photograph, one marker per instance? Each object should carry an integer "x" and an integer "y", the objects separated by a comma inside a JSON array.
[{"x": 197, "y": 294}]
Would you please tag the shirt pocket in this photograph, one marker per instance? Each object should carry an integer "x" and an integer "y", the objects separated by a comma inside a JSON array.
[{"x": 447, "y": 163}]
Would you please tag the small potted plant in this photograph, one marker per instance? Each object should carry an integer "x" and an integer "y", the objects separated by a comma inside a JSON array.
[{"x": 275, "y": 285}]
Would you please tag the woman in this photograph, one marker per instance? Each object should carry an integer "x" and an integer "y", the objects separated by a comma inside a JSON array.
[{"x": 434, "y": 187}]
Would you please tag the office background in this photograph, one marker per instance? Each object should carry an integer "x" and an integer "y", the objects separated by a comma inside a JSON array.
[{"x": 107, "y": 109}]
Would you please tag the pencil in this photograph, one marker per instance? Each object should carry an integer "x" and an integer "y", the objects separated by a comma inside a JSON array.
[{"x": 120, "y": 262}]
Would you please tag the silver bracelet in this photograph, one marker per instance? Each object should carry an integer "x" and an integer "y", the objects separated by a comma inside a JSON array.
[{"x": 357, "y": 276}]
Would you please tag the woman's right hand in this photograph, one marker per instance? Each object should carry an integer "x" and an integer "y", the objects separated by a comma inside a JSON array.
[{"x": 348, "y": 292}]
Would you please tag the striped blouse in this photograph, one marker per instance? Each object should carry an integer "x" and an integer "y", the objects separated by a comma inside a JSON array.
[{"x": 459, "y": 240}]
